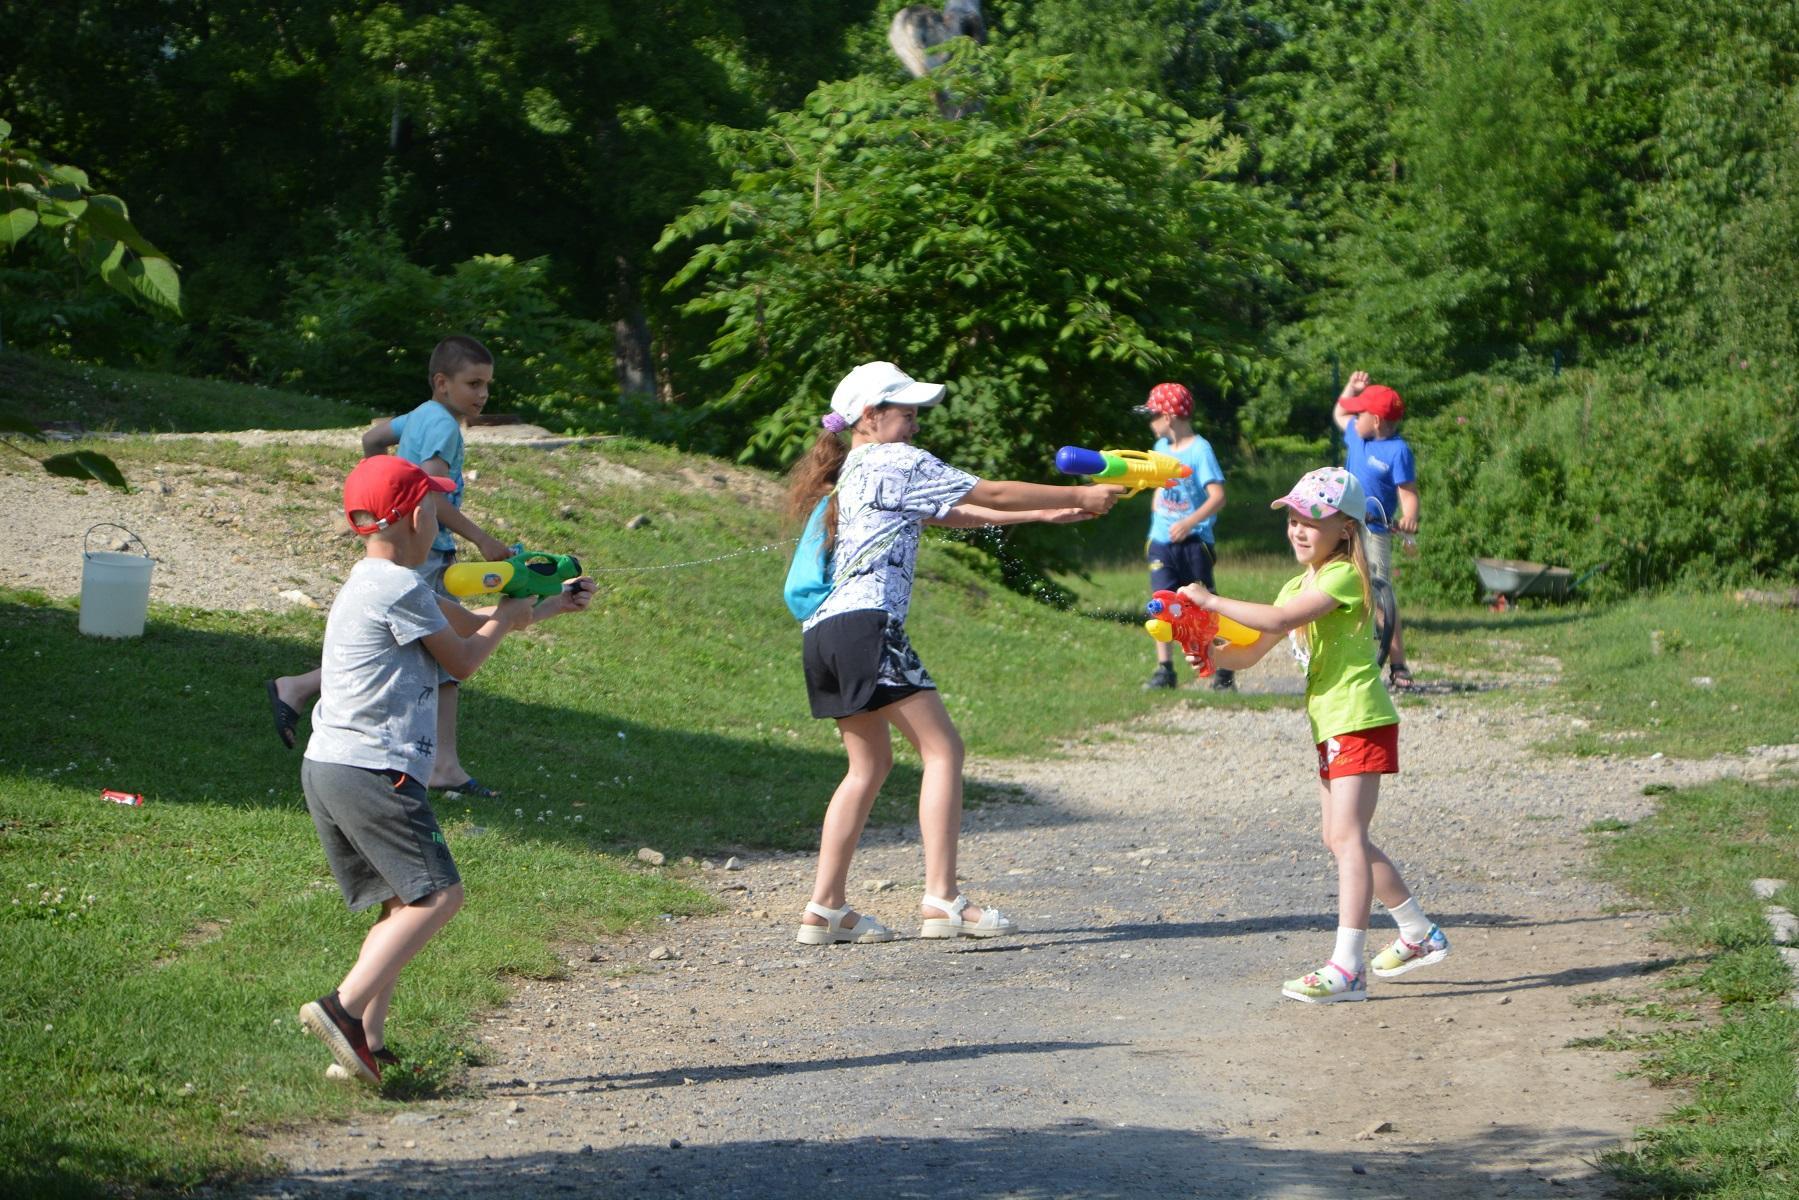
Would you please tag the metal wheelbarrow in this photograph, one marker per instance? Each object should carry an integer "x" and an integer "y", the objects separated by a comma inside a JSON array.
[{"x": 1508, "y": 580}]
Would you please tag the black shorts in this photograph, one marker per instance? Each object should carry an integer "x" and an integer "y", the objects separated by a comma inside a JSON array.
[
  {"x": 859, "y": 662},
  {"x": 1175, "y": 564}
]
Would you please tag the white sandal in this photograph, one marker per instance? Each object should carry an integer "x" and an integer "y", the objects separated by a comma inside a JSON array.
[
  {"x": 991, "y": 924},
  {"x": 866, "y": 928}
]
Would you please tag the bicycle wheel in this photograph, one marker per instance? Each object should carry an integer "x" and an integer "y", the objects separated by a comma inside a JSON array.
[{"x": 1385, "y": 616}]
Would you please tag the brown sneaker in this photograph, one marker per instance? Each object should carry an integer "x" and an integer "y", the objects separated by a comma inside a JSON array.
[{"x": 326, "y": 1020}]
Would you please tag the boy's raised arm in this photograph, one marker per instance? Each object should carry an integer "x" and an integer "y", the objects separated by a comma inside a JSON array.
[{"x": 1357, "y": 381}]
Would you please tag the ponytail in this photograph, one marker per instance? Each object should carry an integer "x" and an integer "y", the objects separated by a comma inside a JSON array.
[{"x": 814, "y": 476}]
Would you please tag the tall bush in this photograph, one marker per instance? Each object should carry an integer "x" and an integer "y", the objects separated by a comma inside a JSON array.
[
  {"x": 1049, "y": 255},
  {"x": 360, "y": 323},
  {"x": 1687, "y": 488}
]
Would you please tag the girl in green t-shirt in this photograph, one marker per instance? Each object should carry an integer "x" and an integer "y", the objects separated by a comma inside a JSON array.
[{"x": 1325, "y": 612}]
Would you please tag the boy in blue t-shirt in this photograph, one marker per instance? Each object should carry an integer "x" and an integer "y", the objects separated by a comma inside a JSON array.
[
  {"x": 1376, "y": 454},
  {"x": 430, "y": 436},
  {"x": 1180, "y": 547}
]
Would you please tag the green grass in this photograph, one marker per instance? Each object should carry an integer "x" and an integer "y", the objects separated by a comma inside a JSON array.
[
  {"x": 48, "y": 391},
  {"x": 1687, "y": 675},
  {"x": 1737, "y": 1137}
]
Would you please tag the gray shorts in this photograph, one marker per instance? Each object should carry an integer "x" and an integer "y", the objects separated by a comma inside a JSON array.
[
  {"x": 380, "y": 836},
  {"x": 1379, "y": 548}
]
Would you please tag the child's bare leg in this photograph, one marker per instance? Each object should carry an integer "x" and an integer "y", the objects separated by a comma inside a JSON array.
[
  {"x": 1396, "y": 654},
  {"x": 1348, "y": 805},
  {"x": 870, "y": 749},
  {"x": 924, "y": 721},
  {"x": 446, "y": 767},
  {"x": 391, "y": 943},
  {"x": 297, "y": 691},
  {"x": 374, "y": 1017}
]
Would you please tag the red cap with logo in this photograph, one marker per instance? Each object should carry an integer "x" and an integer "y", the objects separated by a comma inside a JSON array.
[
  {"x": 1378, "y": 399},
  {"x": 389, "y": 487},
  {"x": 1168, "y": 400}
]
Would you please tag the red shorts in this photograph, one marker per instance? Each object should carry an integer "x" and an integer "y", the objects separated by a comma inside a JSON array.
[{"x": 1364, "y": 752}]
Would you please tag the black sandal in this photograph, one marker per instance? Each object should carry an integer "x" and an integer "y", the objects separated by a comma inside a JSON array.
[
  {"x": 287, "y": 719},
  {"x": 1400, "y": 678}
]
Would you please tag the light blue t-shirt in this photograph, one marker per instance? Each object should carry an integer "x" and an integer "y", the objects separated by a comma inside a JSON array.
[
  {"x": 431, "y": 431},
  {"x": 1184, "y": 498},
  {"x": 1382, "y": 465}
]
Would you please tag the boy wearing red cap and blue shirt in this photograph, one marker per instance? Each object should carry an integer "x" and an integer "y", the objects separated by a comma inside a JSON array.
[
  {"x": 1180, "y": 547},
  {"x": 1381, "y": 460},
  {"x": 373, "y": 736}
]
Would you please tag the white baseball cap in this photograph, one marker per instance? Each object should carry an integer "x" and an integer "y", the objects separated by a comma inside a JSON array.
[{"x": 875, "y": 383}]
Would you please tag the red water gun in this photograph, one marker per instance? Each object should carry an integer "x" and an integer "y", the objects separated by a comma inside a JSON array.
[{"x": 1172, "y": 617}]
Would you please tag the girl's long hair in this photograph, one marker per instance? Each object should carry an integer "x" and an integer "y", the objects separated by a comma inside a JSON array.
[
  {"x": 1354, "y": 554},
  {"x": 813, "y": 476}
]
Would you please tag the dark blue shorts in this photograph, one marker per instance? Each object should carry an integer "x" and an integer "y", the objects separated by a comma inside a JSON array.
[{"x": 1172, "y": 564}]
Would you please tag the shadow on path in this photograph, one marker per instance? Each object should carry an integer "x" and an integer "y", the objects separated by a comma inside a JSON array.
[
  {"x": 682, "y": 1076},
  {"x": 1084, "y": 1158}
]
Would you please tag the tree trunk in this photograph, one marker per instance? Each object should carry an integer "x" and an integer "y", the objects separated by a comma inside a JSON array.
[{"x": 632, "y": 364}]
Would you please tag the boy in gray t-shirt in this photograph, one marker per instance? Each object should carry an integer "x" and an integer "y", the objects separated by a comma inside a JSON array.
[{"x": 373, "y": 738}]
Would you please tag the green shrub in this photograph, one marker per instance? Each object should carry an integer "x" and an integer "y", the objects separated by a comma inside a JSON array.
[
  {"x": 1689, "y": 488},
  {"x": 359, "y": 324}
]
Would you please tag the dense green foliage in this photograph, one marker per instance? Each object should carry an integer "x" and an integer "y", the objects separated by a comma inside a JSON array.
[
  {"x": 1594, "y": 468},
  {"x": 1257, "y": 196},
  {"x": 361, "y": 322},
  {"x": 866, "y": 226},
  {"x": 55, "y": 201}
]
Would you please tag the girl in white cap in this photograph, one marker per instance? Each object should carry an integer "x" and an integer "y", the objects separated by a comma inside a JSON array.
[
  {"x": 1325, "y": 611},
  {"x": 861, "y": 670}
]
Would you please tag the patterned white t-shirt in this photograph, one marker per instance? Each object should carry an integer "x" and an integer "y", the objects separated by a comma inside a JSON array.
[{"x": 885, "y": 492}]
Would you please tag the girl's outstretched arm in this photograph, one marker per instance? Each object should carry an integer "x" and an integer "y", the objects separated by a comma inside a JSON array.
[
  {"x": 1277, "y": 619},
  {"x": 1012, "y": 495},
  {"x": 975, "y": 516}
]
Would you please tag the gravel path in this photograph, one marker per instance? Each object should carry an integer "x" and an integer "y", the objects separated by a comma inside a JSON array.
[{"x": 1132, "y": 1043}]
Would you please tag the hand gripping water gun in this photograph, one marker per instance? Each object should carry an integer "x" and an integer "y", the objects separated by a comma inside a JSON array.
[
  {"x": 1134, "y": 469},
  {"x": 527, "y": 573},
  {"x": 1174, "y": 618}
]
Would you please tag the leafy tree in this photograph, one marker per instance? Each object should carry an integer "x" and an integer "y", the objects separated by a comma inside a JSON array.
[
  {"x": 1726, "y": 73},
  {"x": 1046, "y": 256},
  {"x": 571, "y": 130},
  {"x": 56, "y": 201}
]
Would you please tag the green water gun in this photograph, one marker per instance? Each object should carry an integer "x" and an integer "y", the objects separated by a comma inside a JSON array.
[{"x": 527, "y": 573}]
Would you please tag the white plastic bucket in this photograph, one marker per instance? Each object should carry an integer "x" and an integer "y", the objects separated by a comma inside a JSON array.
[{"x": 115, "y": 589}]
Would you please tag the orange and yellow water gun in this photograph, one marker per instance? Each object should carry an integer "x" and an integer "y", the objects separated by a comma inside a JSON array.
[{"x": 1172, "y": 617}]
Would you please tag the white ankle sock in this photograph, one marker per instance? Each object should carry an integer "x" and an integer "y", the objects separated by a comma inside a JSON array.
[
  {"x": 1352, "y": 945},
  {"x": 1414, "y": 926}
]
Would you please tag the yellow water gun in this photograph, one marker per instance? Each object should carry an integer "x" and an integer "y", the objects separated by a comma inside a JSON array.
[{"x": 1133, "y": 469}]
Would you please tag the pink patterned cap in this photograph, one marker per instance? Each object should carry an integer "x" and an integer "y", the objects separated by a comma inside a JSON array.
[{"x": 1326, "y": 492}]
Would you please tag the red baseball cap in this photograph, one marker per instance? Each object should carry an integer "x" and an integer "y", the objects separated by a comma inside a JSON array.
[
  {"x": 1378, "y": 399},
  {"x": 1168, "y": 400},
  {"x": 389, "y": 487}
]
